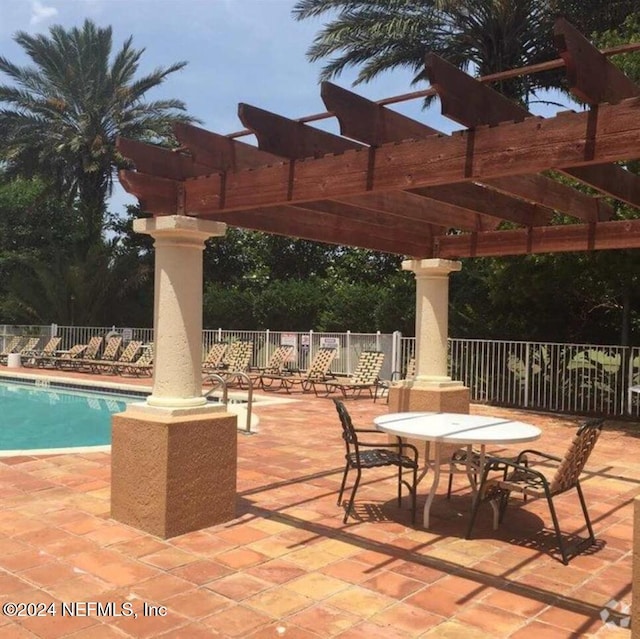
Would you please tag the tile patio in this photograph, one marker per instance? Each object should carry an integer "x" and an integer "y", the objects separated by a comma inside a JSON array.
[{"x": 288, "y": 567}]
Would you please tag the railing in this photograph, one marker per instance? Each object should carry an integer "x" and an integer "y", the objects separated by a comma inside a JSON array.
[{"x": 567, "y": 378}]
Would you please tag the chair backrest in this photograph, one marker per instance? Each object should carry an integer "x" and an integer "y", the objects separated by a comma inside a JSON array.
[
  {"x": 348, "y": 431},
  {"x": 215, "y": 354},
  {"x": 74, "y": 351},
  {"x": 321, "y": 362},
  {"x": 241, "y": 356},
  {"x": 368, "y": 367},
  {"x": 576, "y": 457},
  {"x": 51, "y": 346},
  {"x": 111, "y": 349},
  {"x": 93, "y": 347},
  {"x": 146, "y": 359},
  {"x": 279, "y": 357},
  {"x": 129, "y": 352},
  {"x": 411, "y": 369},
  {"x": 30, "y": 345},
  {"x": 12, "y": 345}
]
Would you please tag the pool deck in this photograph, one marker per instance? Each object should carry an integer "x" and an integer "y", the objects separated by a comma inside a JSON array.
[{"x": 288, "y": 567}]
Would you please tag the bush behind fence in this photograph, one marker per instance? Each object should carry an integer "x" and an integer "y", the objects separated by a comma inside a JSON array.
[{"x": 566, "y": 378}]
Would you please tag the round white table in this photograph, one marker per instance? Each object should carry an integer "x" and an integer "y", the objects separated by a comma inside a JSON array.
[{"x": 455, "y": 428}]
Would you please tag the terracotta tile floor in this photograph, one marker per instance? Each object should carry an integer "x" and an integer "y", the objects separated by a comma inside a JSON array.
[{"x": 288, "y": 567}]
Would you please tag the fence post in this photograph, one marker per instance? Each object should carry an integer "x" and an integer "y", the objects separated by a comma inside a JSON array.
[
  {"x": 267, "y": 348},
  {"x": 396, "y": 351},
  {"x": 348, "y": 352},
  {"x": 526, "y": 374}
]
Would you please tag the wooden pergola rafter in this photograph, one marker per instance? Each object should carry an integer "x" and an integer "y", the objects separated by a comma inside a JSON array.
[{"x": 394, "y": 184}]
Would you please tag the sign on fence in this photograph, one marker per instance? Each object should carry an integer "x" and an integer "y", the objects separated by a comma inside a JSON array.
[
  {"x": 330, "y": 342},
  {"x": 289, "y": 339}
]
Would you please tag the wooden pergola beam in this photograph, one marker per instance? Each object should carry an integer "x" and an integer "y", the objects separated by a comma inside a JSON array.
[
  {"x": 615, "y": 234},
  {"x": 411, "y": 229},
  {"x": 473, "y": 104},
  {"x": 323, "y": 227},
  {"x": 219, "y": 152},
  {"x": 157, "y": 195},
  {"x": 415, "y": 207},
  {"x": 288, "y": 138},
  {"x": 161, "y": 162},
  {"x": 592, "y": 77},
  {"x": 551, "y": 194},
  {"x": 374, "y": 124},
  {"x": 610, "y": 133},
  {"x": 471, "y": 196},
  {"x": 368, "y": 122}
]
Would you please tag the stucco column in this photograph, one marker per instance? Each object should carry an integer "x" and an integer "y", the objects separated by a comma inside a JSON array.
[
  {"x": 432, "y": 317},
  {"x": 179, "y": 243},
  {"x": 432, "y": 389},
  {"x": 174, "y": 458}
]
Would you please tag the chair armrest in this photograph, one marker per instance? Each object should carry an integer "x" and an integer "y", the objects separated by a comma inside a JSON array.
[
  {"x": 509, "y": 463},
  {"x": 539, "y": 453},
  {"x": 369, "y": 430}
]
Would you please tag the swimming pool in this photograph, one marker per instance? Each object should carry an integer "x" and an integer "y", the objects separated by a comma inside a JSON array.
[{"x": 41, "y": 416}]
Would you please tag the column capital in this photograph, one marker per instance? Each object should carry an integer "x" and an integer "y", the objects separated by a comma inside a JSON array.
[
  {"x": 179, "y": 227},
  {"x": 433, "y": 267}
]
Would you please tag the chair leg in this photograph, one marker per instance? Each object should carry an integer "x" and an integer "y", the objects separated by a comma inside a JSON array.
[
  {"x": 353, "y": 495},
  {"x": 399, "y": 485},
  {"x": 554, "y": 518},
  {"x": 414, "y": 495},
  {"x": 450, "y": 484},
  {"x": 592, "y": 537},
  {"x": 344, "y": 482},
  {"x": 474, "y": 512}
]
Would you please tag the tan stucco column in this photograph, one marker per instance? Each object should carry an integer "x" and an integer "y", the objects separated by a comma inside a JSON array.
[
  {"x": 174, "y": 457},
  {"x": 179, "y": 243},
  {"x": 432, "y": 388}
]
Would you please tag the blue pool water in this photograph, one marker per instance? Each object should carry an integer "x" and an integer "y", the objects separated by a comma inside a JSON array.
[{"x": 33, "y": 418}]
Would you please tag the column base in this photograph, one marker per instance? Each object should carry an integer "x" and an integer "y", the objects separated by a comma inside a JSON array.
[
  {"x": 635, "y": 578},
  {"x": 450, "y": 397},
  {"x": 171, "y": 474}
]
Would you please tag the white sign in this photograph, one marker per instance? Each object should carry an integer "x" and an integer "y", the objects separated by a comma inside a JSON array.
[
  {"x": 304, "y": 340},
  {"x": 127, "y": 334},
  {"x": 289, "y": 339},
  {"x": 330, "y": 342}
]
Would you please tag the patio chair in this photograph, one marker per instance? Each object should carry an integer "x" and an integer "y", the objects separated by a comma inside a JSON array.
[
  {"x": 318, "y": 371},
  {"x": 64, "y": 358},
  {"x": 48, "y": 350},
  {"x": 383, "y": 385},
  {"x": 90, "y": 352},
  {"x": 142, "y": 366},
  {"x": 126, "y": 357},
  {"x": 237, "y": 361},
  {"x": 274, "y": 366},
  {"x": 360, "y": 455},
  {"x": 213, "y": 361},
  {"x": 109, "y": 354},
  {"x": 365, "y": 377},
  {"x": 533, "y": 483},
  {"x": 12, "y": 346}
]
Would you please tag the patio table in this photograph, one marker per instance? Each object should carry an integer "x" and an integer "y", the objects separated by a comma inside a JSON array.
[{"x": 454, "y": 428}]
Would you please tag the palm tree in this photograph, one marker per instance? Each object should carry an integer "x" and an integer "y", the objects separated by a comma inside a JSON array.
[
  {"x": 62, "y": 115},
  {"x": 481, "y": 36}
]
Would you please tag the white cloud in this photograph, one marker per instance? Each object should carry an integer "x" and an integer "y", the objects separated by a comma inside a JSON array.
[{"x": 40, "y": 13}]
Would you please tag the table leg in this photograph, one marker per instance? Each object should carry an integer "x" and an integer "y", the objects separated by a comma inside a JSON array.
[{"x": 434, "y": 486}]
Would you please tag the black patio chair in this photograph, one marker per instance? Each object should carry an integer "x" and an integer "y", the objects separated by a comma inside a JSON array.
[
  {"x": 532, "y": 483},
  {"x": 375, "y": 455}
]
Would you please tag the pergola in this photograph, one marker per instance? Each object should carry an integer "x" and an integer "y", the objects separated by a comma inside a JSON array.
[
  {"x": 394, "y": 184},
  {"x": 388, "y": 183}
]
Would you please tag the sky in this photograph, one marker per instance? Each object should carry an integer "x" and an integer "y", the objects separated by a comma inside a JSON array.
[{"x": 250, "y": 51}]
